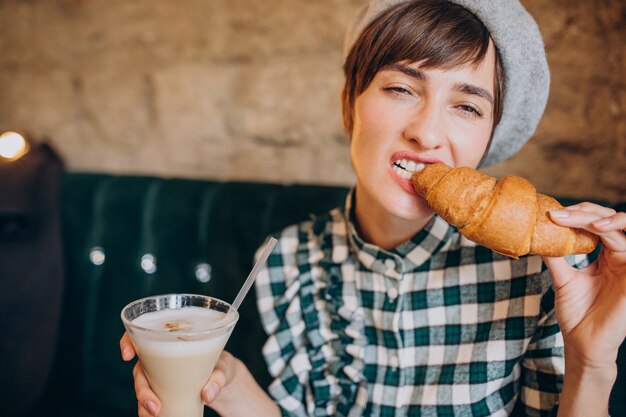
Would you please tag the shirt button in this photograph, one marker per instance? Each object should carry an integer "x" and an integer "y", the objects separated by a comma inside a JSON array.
[
  {"x": 390, "y": 264},
  {"x": 358, "y": 316},
  {"x": 392, "y": 293},
  {"x": 393, "y": 361}
]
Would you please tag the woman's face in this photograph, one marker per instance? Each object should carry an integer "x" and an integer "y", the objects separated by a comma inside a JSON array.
[{"x": 409, "y": 116}]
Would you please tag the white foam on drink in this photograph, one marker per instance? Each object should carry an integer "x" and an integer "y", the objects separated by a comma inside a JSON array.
[
  {"x": 165, "y": 324},
  {"x": 194, "y": 319}
]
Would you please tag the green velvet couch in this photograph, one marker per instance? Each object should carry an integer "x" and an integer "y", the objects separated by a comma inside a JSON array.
[
  {"x": 127, "y": 237},
  {"x": 200, "y": 237}
]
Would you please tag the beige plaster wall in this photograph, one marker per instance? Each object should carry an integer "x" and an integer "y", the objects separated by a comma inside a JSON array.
[{"x": 249, "y": 89}]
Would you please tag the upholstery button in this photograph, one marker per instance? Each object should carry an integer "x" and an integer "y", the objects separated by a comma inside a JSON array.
[
  {"x": 203, "y": 272},
  {"x": 96, "y": 255},
  {"x": 392, "y": 293},
  {"x": 148, "y": 263}
]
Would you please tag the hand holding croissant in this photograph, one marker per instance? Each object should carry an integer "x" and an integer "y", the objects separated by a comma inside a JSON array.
[{"x": 507, "y": 215}]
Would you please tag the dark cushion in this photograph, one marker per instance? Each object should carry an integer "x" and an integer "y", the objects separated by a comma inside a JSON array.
[{"x": 31, "y": 276}]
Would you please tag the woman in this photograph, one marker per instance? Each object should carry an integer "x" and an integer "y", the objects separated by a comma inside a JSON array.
[{"x": 382, "y": 308}]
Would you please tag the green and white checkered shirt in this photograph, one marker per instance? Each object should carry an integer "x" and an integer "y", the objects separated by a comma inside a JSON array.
[{"x": 438, "y": 326}]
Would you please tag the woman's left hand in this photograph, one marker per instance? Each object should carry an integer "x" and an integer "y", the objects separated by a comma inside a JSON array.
[{"x": 590, "y": 303}]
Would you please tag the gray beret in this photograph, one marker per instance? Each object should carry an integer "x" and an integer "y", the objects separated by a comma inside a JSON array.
[{"x": 520, "y": 46}]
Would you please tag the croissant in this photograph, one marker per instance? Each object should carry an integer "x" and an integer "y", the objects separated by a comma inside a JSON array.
[{"x": 507, "y": 215}]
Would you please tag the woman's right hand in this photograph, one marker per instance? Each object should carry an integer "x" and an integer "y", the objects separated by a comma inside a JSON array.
[{"x": 215, "y": 392}]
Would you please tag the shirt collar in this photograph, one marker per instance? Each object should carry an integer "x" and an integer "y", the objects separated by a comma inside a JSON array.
[{"x": 407, "y": 257}]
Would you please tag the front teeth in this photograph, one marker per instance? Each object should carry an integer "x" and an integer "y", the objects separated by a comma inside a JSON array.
[{"x": 405, "y": 168}]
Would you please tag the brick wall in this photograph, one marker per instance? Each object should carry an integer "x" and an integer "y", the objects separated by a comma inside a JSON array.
[{"x": 249, "y": 90}]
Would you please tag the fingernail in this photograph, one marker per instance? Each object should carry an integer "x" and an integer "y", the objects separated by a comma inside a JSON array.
[
  {"x": 602, "y": 222},
  {"x": 575, "y": 207},
  {"x": 125, "y": 351},
  {"x": 212, "y": 391},
  {"x": 151, "y": 407},
  {"x": 559, "y": 214}
]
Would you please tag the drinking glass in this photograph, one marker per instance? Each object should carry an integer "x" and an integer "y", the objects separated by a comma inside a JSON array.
[{"x": 178, "y": 339}]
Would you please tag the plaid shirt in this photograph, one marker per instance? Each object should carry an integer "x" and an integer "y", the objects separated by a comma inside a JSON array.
[{"x": 438, "y": 326}]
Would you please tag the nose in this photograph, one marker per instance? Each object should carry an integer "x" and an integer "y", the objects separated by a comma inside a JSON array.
[{"x": 425, "y": 126}]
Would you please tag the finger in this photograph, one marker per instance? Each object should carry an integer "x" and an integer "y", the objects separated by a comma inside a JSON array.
[
  {"x": 219, "y": 378},
  {"x": 151, "y": 408},
  {"x": 613, "y": 239},
  {"x": 216, "y": 384},
  {"x": 142, "y": 411},
  {"x": 575, "y": 218},
  {"x": 592, "y": 208},
  {"x": 615, "y": 222},
  {"x": 126, "y": 347},
  {"x": 226, "y": 363},
  {"x": 145, "y": 396},
  {"x": 611, "y": 231},
  {"x": 560, "y": 271}
]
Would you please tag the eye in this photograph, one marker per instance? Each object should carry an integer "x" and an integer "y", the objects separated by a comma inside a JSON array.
[
  {"x": 397, "y": 90},
  {"x": 470, "y": 110}
]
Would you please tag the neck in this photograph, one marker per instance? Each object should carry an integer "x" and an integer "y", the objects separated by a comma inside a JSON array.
[{"x": 381, "y": 228}]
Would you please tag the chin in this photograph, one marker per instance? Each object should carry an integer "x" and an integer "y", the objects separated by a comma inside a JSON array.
[
  {"x": 390, "y": 199},
  {"x": 409, "y": 207}
]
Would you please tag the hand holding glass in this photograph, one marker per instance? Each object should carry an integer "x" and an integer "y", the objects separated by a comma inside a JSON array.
[{"x": 179, "y": 337}]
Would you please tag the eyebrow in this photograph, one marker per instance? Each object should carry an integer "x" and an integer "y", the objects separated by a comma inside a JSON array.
[
  {"x": 474, "y": 90},
  {"x": 461, "y": 87},
  {"x": 410, "y": 71}
]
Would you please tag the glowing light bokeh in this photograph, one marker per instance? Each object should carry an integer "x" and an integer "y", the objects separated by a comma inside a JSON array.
[{"x": 12, "y": 146}]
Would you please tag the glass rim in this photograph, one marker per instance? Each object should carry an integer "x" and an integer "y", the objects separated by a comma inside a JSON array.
[{"x": 129, "y": 324}]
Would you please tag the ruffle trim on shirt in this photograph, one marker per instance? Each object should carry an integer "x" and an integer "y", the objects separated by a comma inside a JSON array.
[{"x": 336, "y": 332}]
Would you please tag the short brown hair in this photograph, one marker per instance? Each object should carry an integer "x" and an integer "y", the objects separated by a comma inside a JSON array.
[{"x": 436, "y": 33}]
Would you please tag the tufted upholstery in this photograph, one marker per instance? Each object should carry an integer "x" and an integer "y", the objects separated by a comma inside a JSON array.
[{"x": 182, "y": 224}]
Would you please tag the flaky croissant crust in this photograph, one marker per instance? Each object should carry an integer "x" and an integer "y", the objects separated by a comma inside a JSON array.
[{"x": 507, "y": 215}]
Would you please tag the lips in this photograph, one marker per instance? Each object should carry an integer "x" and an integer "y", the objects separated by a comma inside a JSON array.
[{"x": 404, "y": 164}]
